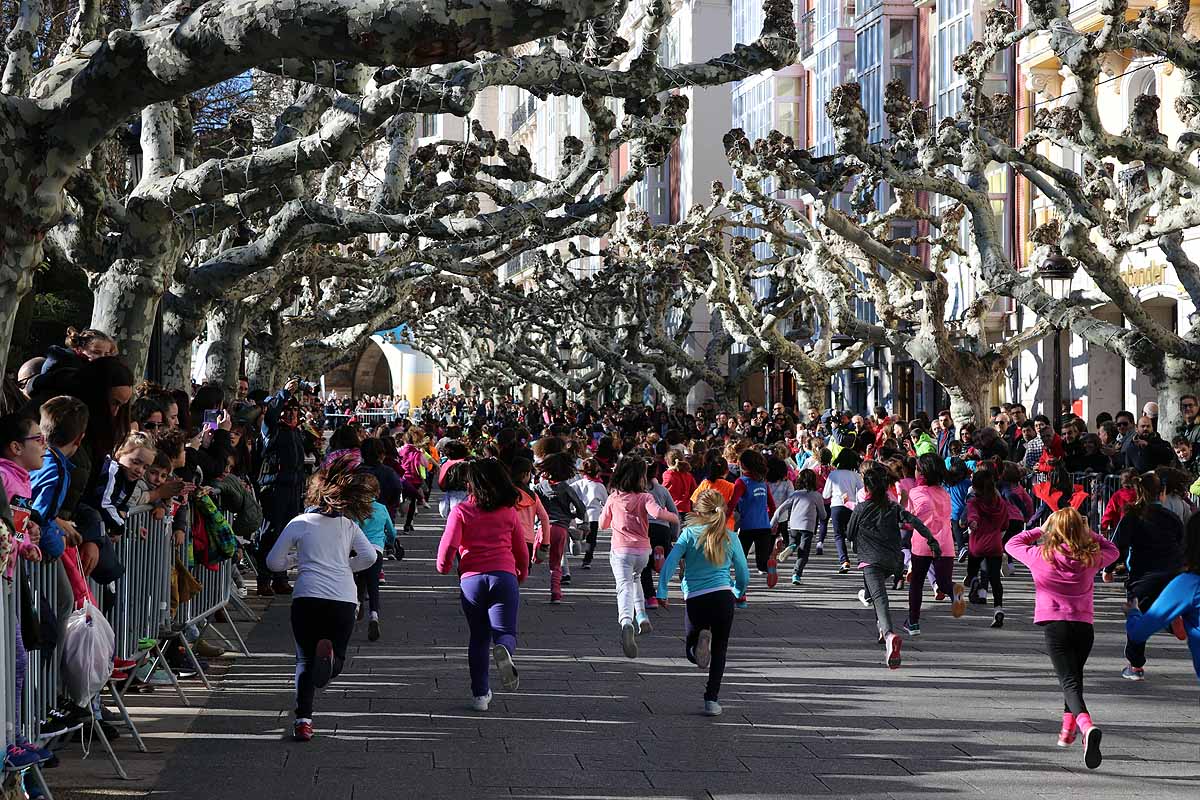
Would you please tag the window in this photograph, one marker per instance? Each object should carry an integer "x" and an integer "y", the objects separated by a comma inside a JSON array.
[
  {"x": 901, "y": 53},
  {"x": 868, "y": 61},
  {"x": 954, "y": 33},
  {"x": 430, "y": 125}
]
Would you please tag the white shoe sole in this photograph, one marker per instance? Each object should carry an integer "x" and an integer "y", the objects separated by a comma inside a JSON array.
[
  {"x": 508, "y": 670},
  {"x": 704, "y": 649},
  {"x": 715, "y": 712},
  {"x": 644, "y": 627},
  {"x": 629, "y": 640}
]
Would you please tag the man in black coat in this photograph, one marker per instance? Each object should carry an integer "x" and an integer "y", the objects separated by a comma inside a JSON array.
[{"x": 281, "y": 480}]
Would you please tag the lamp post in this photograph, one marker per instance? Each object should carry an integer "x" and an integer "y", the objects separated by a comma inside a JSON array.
[
  {"x": 1057, "y": 273},
  {"x": 564, "y": 358}
]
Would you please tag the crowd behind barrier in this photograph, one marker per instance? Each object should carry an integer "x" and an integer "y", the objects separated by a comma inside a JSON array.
[{"x": 138, "y": 606}]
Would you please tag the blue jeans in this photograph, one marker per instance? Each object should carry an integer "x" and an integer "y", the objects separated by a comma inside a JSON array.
[{"x": 489, "y": 601}]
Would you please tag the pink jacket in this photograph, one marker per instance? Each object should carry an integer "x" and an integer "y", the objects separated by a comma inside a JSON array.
[
  {"x": 530, "y": 510},
  {"x": 628, "y": 514},
  {"x": 15, "y": 480},
  {"x": 988, "y": 523},
  {"x": 931, "y": 504},
  {"x": 1064, "y": 586},
  {"x": 485, "y": 541}
]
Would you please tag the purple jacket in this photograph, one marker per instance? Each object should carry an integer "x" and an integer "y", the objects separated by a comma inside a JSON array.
[{"x": 1064, "y": 586}]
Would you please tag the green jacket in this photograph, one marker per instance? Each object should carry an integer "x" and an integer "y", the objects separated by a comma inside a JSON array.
[{"x": 925, "y": 444}]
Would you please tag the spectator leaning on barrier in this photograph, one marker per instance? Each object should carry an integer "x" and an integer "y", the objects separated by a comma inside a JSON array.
[{"x": 1146, "y": 450}]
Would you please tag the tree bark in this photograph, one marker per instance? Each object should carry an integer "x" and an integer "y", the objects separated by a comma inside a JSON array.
[
  {"x": 181, "y": 326},
  {"x": 1180, "y": 377},
  {"x": 263, "y": 357},
  {"x": 223, "y": 359},
  {"x": 811, "y": 392},
  {"x": 967, "y": 403}
]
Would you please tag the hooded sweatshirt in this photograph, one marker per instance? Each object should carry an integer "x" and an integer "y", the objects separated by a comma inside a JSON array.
[
  {"x": 562, "y": 502},
  {"x": 931, "y": 504},
  {"x": 1064, "y": 586},
  {"x": 988, "y": 522},
  {"x": 876, "y": 528}
]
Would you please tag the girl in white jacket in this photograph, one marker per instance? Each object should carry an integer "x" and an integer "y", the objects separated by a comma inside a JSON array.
[
  {"x": 595, "y": 495},
  {"x": 803, "y": 511}
]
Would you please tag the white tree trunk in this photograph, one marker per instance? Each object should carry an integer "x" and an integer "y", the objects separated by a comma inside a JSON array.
[
  {"x": 812, "y": 391},
  {"x": 1180, "y": 377},
  {"x": 967, "y": 404},
  {"x": 16, "y": 278},
  {"x": 223, "y": 359},
  {"x": 262, "y": 367},
  {"x": 180, "y": 329}
]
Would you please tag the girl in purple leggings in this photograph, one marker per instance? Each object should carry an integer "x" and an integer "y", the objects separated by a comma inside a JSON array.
[{"x": 485, "y": 533}]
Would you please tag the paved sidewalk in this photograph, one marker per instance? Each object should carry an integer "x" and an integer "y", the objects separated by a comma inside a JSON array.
[{"x": 810, "y": 709}]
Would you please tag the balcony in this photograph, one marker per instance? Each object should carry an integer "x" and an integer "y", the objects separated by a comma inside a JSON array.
[{"x": 522, "y": 114}]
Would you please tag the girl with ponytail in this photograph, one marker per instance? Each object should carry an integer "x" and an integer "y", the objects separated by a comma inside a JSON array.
[{"x": 708, "y": 592}]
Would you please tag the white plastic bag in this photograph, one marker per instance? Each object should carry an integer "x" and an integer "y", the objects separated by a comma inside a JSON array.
[{"x": 87, "y": 647}]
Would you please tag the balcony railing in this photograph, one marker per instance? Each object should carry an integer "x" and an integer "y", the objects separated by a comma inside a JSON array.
[
  {"x": 522, "y": 114},
  {"x": 808, "y": 33}
]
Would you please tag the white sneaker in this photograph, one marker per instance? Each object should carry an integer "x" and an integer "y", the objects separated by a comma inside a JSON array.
[
  {"x": 629, "y": 639},
  {"x": 704, "y": 649},
  {"x": 862, "y": 598},
  {"x": 786, "y": 553},
  {"x": 1006, "y": 567},
  {"x": 712, "y": 708},
  {"x": 481, "y": 703},
  {"x": 820, "y": 548},
  {"x": 509, "y": 678},
  {"x": 644, "y": 625}
]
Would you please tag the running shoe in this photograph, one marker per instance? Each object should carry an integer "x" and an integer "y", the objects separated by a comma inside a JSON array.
[
  {"x": 302, "y": 730},
  {"x": 1006, "y": 566},
  {"x": 912, "y": 628},
  {"x": 566, "y": 578},
  {"x": 958, "y": 606},
  {"x": 659, "y": 557},
  {"x": 1091, "y": 747},
  {"x": 509, "y": 678},
  {"x": 481, "y": 703},
  {"x": 862, "y": 598},
  {"x": 1178, "y": 629},
  {"x": 773, "y": 568},
  {"x": 643, "y": 624},
  {"x": 1134, "y": 674},
  {"x": 712, "y": 708},
  {"x": 373, "y": 630},
  {"x": 787, "y": 553},
  {"x": 795, "y": 580},
  {"x": 1066, "y": 736},
  {"x": 891, "y": 645},
  {"x": 629, "y": 639},
  {"x": 741, "y": 602},
  {"x": 820, "y": 548},
  {"x": 322, "y": 664},
  {"x": 703, "y": 651},
  {"x": 651, "y": 602},
  {"x": 844, "y": 568},
  {"x": 17, "y": 758},
  {"x": 998, "y": 618},
  {"x": 962, "y": 554}
]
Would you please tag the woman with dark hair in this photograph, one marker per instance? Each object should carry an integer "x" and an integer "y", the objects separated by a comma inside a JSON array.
[
  {"x": 930, "y": 501},
  {"x": 841, "y": 490},
  {"x": 1177, "y": 605},
  {"x": 485, "y": 534},
  {"x": 183, "y": 409},
  {"x": 1150, "y": 541}
]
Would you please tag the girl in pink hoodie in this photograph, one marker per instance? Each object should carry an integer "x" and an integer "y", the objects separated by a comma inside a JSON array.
[
  {"x": 987, "y": 518},
  {"x": 1064, "y": 557},
  {"x": 930, "y": 502}
]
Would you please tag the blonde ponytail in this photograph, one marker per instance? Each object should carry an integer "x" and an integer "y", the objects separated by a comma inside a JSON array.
[{"x": 709, "y": 511}]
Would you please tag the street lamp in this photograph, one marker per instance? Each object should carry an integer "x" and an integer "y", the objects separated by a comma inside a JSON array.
[
  {"x": 564, "y": 358},
  {"x": 1057, "y": 273}
]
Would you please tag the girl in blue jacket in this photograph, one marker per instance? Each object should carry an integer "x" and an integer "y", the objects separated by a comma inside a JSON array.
[
  {"x": 708, "y": 592},
  {"x": 1178, "y": 605}
]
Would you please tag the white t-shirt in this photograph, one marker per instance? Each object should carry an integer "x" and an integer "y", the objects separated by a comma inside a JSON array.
[
  {"x": 323, "y": 545},
  {"x": 842, "y": 483}
]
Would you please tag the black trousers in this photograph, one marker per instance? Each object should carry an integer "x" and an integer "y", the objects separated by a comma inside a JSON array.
[
  {"x": 802, "y": 541},
  {"x": 762, "y": 540},
  {"x": 993, "y": 575},
  {"x": 314, "y": 619},
  {"x": 593, "y": 530},
  {"x": 367, "y": 581},
  {"x": 1069, "y": 644},
  {"x": 660, "y": 536},
  {"x": 713, "y": 611},
  {"x": 1146, "y": 589}
]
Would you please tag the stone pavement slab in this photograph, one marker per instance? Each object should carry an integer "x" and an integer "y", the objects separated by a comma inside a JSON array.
[{"x": 810, "y": 709}]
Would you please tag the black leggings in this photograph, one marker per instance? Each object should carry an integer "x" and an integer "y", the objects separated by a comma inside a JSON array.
[
  {"x": 314, "y": 619},
  {"x": 367, "y": 581},
  {"x": 714, "y": 611},
  {"x": 993, "y": 578},
  {"x": 593, "y": 529},
  {"x": 762, "y": 540},
  {"x": 1146, "y": 589},
  {"x": 660, "y": 536},
  {"x": 1069, "y": 644}
]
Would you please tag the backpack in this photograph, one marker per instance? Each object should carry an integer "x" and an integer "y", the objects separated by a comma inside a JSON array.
[{"x": 220, "y": 542}]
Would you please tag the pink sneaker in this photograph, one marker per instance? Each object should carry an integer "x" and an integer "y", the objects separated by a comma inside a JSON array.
[{"x": 1066, "y": 737}]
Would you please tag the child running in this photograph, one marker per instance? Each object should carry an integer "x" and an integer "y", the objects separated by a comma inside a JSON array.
[
  {"x": 325, "y": 597},
  {"x": 591, "y": 488},
  {"x": 485, "y": 533},
  {"x": 754, "y": 506},
  {"x": 875, "y": 525},
  {"x": 841, "y": 489},
  {"x": 930, "y": 502},
  {"x": 1178, "y": 605},
  {"x": 1064, "y": 557},
  {"x": 804, "y": 511},
  {"x": 381, "y": 533},
  {"x": 708, "y": 593},
  {"x": 562, "y": 504},
  {"x": 987, "y": 518},
  {"x": 627, "y": 513}
]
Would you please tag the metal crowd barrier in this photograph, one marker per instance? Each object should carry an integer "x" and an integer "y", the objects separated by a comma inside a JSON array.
[
  {"x": 10, "y": 604},
  {"x": 367, "y": 418}
]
